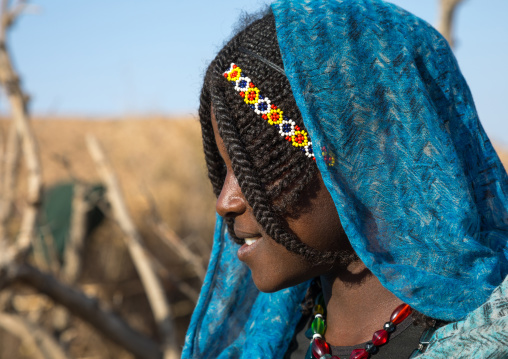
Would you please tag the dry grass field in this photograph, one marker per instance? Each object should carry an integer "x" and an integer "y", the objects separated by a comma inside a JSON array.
[{"x": 159, "y": 155}]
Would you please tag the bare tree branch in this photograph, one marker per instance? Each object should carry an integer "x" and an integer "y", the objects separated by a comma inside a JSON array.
[
  {"x": 73, "y": 250},
  {"x": 8, "y": 167},
  {"x": 182, "y": 286},
  {"x": 141, "y": 259},
  {"x": 42, "y": 343},
  {"x": 72, "y": 261},
  {"x": 88, "y": 309},
  {"x": 18, "y": 103},
  {"x": 49, "y": 248},
  {"x": 172, "y": 240},
  {"x": 10, "y": 15},
  {"x": 445, "y": 22}
]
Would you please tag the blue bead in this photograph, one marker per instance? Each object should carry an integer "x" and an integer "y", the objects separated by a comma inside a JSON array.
[
  {"x": 309, "y": 355},
  {"x": 370, "y": 348},
  {"x": 389, "y": 327}
]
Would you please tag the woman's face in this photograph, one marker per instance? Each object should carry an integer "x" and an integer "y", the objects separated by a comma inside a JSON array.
[{"x": 273, "y": 266}]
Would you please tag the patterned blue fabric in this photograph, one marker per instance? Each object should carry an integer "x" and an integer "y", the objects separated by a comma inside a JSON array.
[
  {"x": 232, "y": 318},
  {"x": 419, "y": 189},
  {"x": 482, "y": 334}
]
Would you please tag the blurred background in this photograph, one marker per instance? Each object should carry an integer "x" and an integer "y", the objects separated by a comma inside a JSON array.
[{"x": 129, "y": 74}]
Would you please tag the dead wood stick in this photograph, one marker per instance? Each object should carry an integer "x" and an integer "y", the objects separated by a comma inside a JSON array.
[
  {"x": 72, "y": 261},
  {"x": 447, "y": 10},
  {"x": 50, "y": 254},
  {"x": 10, "y": 15},
  {"x": 18, "y": 103},
  {"x": 172, "y": 240},
  {"x": 8, "y": 171},
  {"x": 73, "y": 250},
  {"x": 182, "y": 286},
  {"x": 142, "y": 261},
  {"x": 88, "y": 309},
  {"x": 43, "y": 345}
]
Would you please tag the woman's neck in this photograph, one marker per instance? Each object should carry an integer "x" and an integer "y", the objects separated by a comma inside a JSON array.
[{"x": 357, "y": 305}]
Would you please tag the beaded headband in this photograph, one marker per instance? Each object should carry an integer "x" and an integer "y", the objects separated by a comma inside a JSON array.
[{"x": 273, "y": 115}]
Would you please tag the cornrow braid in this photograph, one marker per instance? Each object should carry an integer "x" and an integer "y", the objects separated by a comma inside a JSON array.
[
  {"x": 272, "y": 174},
  {"x": 216, "y": 170}
]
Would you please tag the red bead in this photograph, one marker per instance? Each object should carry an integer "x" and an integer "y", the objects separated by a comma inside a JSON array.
[
  {"x": 226, "y": 75},
  {"x": 334, "y": 357},
  {"x": 251, "y": 84},
  {"x": 297, "y": 128},
  {"x": 359, "y": 354},
  {"x": 234, "y": 66},
  {"x": 380, "y": 337},
  {"x": 320, "y": 348},
  {"x": 400, "y": 313}
]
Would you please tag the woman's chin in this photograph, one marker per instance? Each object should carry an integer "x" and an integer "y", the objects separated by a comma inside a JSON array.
[
  {"x": 265, "y": 287},
  {"x": 270, "y": 288},
  {"x": 271, "y": 282}
]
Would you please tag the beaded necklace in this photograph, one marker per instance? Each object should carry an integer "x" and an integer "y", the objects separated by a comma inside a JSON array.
[{"x": 320, "y": 349}]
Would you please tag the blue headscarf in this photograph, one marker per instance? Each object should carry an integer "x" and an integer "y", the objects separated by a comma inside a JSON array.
[{"x": 417, "y": 184}]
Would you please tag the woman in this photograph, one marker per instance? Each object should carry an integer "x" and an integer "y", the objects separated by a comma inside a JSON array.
[{"x": 342, "y": 143}]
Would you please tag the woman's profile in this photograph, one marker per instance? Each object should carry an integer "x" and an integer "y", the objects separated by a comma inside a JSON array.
[{"x": 362, "y": 211}]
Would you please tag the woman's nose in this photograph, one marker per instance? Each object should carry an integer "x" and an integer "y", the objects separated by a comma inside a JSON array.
[{"x": 231, "y": 201}]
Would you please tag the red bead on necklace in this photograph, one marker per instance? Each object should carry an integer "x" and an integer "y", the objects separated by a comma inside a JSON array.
[{"x": 320, "y": 349}]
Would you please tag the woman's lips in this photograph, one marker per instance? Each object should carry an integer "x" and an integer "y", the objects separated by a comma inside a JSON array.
[{"x": 250, "y": 245}]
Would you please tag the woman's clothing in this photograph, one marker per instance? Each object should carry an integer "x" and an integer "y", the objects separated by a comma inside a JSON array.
[
  {"x": 482, "y": 334},
  {"x": 415, "y": 179},
  {"x": 419, "y": 189},
  {"x": 401, "y": 345}
]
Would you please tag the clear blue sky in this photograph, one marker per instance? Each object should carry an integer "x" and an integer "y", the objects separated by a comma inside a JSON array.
[{"x": 117, "y": 57}]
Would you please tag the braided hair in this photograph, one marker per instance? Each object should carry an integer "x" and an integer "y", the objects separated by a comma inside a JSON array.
[{"x": 271, "y": 174}]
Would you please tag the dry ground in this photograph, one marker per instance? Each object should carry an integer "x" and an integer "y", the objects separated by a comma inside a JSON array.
[{"x": 161, "y": 155}]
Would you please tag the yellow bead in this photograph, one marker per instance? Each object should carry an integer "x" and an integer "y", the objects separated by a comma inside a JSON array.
[{"x": 318, "y": 309}]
